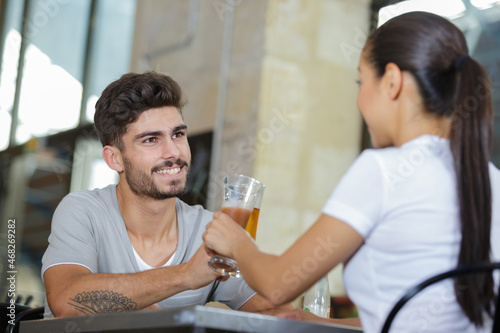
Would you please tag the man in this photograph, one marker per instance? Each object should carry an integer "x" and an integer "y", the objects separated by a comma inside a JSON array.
[{"x": 135, "y": 245}]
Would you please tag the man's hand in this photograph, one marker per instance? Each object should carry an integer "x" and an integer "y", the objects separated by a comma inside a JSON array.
[{"x": 198, "y": 272}]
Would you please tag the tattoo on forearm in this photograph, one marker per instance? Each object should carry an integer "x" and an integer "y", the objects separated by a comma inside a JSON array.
[{"x": 104, "y": 301}]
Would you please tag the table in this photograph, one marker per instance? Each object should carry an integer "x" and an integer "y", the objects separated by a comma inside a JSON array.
[{"x": 197, "y": 319}]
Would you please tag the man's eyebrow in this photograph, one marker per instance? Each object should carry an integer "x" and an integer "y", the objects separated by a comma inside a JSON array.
[
  {"x": 159, "y": 133},
  {"x": 144, "y": 134},
  {"x": 179, "y": 128}
]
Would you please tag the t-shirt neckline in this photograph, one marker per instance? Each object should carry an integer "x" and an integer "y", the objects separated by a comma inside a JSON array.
[
  {"x": 126, "y": 239},
  {"x": 425, "y": 138}
]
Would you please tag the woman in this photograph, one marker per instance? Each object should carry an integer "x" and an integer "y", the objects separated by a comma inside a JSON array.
[{"x": 418, "y": 205}]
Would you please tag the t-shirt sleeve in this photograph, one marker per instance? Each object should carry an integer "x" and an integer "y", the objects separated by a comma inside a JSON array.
[
  {"x": 233, "y": 293},
  {"x": 71, "y": 240},
  {"x": 359, "y": 196}
]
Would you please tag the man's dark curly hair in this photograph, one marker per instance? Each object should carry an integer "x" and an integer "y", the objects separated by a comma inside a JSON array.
[{"x": 122, "y": 102}]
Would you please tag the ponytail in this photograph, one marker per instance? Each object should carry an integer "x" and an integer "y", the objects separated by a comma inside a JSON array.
[{"x": 470, "y": 140}]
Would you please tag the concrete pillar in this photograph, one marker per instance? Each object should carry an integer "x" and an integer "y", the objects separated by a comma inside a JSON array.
[{"x": 309, "y": 128}]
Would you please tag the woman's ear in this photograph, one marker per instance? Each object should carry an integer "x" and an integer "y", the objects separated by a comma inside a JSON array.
[
  {"x": 113, "y": 158},
  {"x": 393, "y": 80}
]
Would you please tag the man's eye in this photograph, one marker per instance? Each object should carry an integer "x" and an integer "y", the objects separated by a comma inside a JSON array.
[
  {"x": 150, "y": 140},
  {"x": 178, "y": 135},
  {"x": 358, "y": 82}
]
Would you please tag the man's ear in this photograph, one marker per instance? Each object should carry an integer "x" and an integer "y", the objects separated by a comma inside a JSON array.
[
  {"x": 113, "y": 157},
  {"x": 393, "y": 80}
]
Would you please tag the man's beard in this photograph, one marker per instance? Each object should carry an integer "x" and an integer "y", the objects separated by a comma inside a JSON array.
[{"x": 143, "y": 185}]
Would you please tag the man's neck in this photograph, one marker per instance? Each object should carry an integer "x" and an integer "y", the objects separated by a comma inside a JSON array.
[{"x": 145, "y": 218}]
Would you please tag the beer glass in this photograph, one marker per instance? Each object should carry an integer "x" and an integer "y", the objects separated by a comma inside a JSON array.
[
  {"x": 241, "y": 194},
  {"x": 251, "y": 227}
]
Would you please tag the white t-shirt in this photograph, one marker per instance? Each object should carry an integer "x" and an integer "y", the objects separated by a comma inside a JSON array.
[
  {"x": 144, "y": 266},
  {"x": 403, "y": 201}
]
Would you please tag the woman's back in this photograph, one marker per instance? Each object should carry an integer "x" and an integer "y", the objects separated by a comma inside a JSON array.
[{"x": 409, "y": 216}]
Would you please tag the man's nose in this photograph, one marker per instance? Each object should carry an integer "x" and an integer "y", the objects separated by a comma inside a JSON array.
[{"x": 170, "y": 150}]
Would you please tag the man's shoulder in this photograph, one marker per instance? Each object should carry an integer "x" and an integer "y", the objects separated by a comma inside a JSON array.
[
  {"x": 92, "y": 194},
  {"x": 192, "y": 213},
  {"x": 191, "y": 209},
  {"x": 87, "y": 208},
  {"x": 90, "y": 198}
]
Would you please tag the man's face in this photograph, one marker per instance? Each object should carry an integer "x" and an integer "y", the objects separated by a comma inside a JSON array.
[{"x": 156, "y": 154}]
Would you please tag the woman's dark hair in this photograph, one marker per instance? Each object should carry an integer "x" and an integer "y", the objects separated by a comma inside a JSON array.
[
  {"x": 122, "y": 102},
  {"x": 452, "y": 84}
]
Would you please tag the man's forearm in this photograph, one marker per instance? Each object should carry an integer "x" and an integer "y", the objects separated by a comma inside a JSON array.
[{"x": 101, "y": 293}]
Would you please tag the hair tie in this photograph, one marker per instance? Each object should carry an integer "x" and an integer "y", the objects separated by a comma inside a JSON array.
[{"x": 460, "y": 59}]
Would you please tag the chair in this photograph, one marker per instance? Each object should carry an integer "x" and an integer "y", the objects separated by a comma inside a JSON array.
[
  {"x": 5, "y": 311},
  {"x": 461, "y": 271},
  {"x": 30, "y": 314},
  {"x": 21, "y": 312}
]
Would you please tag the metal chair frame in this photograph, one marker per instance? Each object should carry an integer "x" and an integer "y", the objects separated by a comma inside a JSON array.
[
  {"x": 460, "y": 271},
  {"x": 30, "y": 314}
]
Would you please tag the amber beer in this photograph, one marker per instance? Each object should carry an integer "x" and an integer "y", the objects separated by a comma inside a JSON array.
[
  {"x": 240, "y": 215},
  {"x": 252, "y": 223}
]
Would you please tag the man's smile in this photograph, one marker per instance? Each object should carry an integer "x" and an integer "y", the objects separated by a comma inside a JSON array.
[
  {"x": 170, "y": 168},
  {"x": 171, "y": 171}
]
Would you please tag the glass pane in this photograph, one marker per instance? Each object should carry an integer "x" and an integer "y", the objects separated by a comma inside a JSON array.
[
  {"x": 11, "y": 45},
  {"x": 111, "y": 47},
  {"x": 89, "y": 171},
  {"x": 482, "y": 31},
  {"x": 450, "y": 8},
  {"x": 484, "y": 4},
  {"x": 51, "y": 86}
]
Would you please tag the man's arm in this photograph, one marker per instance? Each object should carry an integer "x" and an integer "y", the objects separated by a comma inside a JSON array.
[{"x": 73, "y": 290}]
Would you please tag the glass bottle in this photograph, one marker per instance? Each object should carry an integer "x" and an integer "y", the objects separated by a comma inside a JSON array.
[{"x": 317, "y": 299}]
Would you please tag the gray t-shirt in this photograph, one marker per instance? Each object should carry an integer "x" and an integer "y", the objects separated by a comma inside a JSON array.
[{"x": 88, "y": 230}]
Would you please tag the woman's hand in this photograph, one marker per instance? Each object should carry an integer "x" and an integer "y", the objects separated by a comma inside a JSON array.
[
  {"x": 223, "y": 235},
  {"x": 298, "y": 314}
]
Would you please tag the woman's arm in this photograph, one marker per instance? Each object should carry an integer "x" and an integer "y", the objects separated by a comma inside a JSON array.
[
  {"x": 298, "y": 314},
  {"x": 283, "y": 278}
]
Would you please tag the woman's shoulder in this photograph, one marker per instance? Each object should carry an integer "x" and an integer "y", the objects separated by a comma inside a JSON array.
[
  {"x": 495, "y": 179},
  {"x": 378, "y": 156},
  {"x": 414, "y": 152},
  {"x": 494, "y": 171}
]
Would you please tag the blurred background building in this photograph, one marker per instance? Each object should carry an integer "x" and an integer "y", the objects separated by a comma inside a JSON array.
[{"x": 271, "y": 90}]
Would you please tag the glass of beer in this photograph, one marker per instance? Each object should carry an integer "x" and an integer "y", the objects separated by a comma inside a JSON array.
[
  {"x": 251, "y": 227},
  {"x": 241, "y": 194}
]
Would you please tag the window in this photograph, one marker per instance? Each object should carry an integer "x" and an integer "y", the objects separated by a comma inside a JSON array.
[
  {"x": 10, "y": 46},
  {"x": 55, "y": 63},
  {"x": 56, "y": 56}
]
